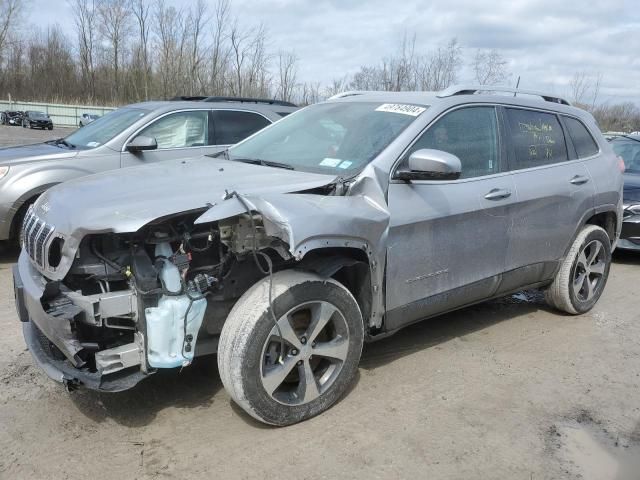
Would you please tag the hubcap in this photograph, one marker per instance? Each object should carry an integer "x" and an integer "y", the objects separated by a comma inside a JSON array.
[
  {"x": 316, "y": 344},
  {"x": 589, "y": 271}
]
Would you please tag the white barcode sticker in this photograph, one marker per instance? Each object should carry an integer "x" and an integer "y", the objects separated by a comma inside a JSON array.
[{"x": 412, "y": 110}]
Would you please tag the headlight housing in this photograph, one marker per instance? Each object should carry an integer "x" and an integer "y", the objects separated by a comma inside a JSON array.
[{"x": 3, "y": 171}]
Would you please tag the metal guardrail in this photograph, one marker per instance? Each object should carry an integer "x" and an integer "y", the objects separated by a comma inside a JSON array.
[{"x": 61, "y": 115}]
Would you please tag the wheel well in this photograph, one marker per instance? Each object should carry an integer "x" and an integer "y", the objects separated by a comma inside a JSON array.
[
  {"x": 16, "y": 221},
  {"x": 607, "y": 221},
  {"x": 350, "y": 267}
]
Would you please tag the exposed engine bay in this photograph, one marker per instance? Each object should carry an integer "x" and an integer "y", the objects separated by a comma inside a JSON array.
[{"x": 166, "y": 289}]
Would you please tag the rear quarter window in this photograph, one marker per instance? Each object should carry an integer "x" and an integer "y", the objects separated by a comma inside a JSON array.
[
  {"x": 582, "y": 140},
  {"x": 537, "y": 138}
]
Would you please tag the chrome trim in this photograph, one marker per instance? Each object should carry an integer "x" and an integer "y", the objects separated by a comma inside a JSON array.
[{"x": 35, "y": 237}]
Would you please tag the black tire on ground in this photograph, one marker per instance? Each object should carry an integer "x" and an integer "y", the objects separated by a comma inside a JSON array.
[
  {"x": 248, "y": 339},
  {"x": 50, "y": 127},
  {"x": 583, "y": 273}
]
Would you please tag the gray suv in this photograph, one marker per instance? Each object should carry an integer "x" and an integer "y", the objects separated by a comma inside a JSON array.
[
  {"x": 340, "y": 224},
  {"x": 133, "y": 135}
]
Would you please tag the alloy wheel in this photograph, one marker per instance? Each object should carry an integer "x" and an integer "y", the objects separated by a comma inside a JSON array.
[
  {"x": 315, "y": 341},
  {"x": 590, "y": 268}
]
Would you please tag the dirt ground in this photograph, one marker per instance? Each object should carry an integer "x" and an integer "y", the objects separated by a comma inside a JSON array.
[{"x": 503, "y": 390}]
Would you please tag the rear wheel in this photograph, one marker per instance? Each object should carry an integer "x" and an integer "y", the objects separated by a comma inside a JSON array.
[
  {"x": 289, "y": 373},
  {"x": 583, "y": 274}
]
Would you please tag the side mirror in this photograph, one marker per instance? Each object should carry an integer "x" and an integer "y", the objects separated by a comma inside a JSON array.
[
  {"x": 428, "y": 164},
  {"x": 142, "y": 143}
]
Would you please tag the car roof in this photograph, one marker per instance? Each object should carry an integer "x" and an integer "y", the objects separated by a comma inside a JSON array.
[
  {"x": 169, "y": 105},
  {"x": 463, "y": 94}
]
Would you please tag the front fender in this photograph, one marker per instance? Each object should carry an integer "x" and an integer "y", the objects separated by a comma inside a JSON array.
[{"x": 307, "y": 222}]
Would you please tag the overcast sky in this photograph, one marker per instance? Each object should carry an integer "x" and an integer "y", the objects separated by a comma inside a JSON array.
[{"x": 545, "y": 41}]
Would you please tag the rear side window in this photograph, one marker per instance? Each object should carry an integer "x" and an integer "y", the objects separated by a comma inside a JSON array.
[
  {"x": 537, "y": 138},
  {"x": 582, "y": 140},
  {"x": 233, "y": 126},
  {"x": 469, "y": 133}
]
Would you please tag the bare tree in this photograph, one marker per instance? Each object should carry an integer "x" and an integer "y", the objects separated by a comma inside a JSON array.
[
  {"x": 197, "y": 21},
  {"x": 584, "y": 89},
  {"x": 141, "y": 11},
  {"x": 442, "y": 66},
  {"x": 489, "y": 67},
  {"x": 114, "y": 23},
  {"x": 336, "y": 86},
  {"x": 219, "y": 50},
  {"x": 85, "y": 21},
  {"x": 9, "y": 11},
  {"x": 170, "y": 33},
  {"x": 287, "y": 73},
  {"x": 579, "y": 86}
]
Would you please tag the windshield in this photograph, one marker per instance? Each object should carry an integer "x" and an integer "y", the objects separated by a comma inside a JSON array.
[
  {"x": 333, "y": 138},
  {"x": 629, "y": 149},
  {"x": 37, "y": 114},
  {"x": 103, "y": 129}
]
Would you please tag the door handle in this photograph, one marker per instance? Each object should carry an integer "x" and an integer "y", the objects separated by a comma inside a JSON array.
[
  {"x": 498, "y": 194},
  {"x": 579, "y": 180}
]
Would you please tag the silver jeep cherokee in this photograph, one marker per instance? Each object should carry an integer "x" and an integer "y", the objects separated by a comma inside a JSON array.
[{"x": 340, "y": 224}]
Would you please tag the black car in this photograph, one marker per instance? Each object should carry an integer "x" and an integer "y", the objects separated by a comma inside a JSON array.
[
  {"x": 33, "y": 119},
  {"x": 628, "y": 147},
  {"x": 11, "y": 117}
]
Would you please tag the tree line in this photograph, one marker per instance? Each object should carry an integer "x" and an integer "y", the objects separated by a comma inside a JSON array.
[{"x": 124, "y": 51}]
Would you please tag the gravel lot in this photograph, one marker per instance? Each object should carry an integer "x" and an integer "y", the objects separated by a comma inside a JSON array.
[
  {"x": 10, "y": 135},
  {"x": 506, "y": 389}
]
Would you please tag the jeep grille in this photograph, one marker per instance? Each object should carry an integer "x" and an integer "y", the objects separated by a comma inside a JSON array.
[{"x": 35, "y": 236}]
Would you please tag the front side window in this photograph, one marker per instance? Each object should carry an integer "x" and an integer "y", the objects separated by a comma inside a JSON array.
[
  {"x": 471, "y": 134},
  {"x": 234, "y": 126},
  {"x": 537, "y": 138},
  {"x": 105, "y": 128},
  {"x": 582, "y": 140},
  {"x": 179, "y": 130},
  {"x": 337, "y": 138}
]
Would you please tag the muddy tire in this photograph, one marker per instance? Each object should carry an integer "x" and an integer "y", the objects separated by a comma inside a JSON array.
[
  {"x": 583, "y": 273},
  {"x": 322, "y": 332}
]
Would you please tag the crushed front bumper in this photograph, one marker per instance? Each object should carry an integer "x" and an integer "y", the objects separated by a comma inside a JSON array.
[{"x": 47, "y": 336}]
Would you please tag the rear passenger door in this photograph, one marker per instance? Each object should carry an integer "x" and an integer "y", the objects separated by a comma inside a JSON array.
[
  {"x": 228, "y": 127},
  {"x": 554, "y": 190}
]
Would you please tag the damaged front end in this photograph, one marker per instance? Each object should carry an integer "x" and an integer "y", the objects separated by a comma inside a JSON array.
[{"x": 134, "y": 303}]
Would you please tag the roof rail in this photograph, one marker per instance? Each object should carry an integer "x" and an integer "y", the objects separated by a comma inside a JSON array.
[
  {"x": 476, "y": 89},
  {"x": 188, "y": 98},
  {"x": 267, "y": 101},
  {"x": 351, "y": 93}
]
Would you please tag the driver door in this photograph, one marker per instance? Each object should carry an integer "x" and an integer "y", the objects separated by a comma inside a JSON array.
[
  {"x": 448, "y": 238},
  {"x": 179, "y": 135}
]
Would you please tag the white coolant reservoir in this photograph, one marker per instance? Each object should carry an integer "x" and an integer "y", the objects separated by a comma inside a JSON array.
[{"x": 166, "y": 346}]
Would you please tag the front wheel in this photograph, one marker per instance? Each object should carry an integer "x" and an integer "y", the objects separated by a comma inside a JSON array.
[
  {"x": 288, "y": 373},
  {"x": 583, "y": 273}
]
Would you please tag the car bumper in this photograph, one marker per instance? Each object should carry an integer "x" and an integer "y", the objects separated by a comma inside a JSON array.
[
  {"x": 50, "y": 339},
  {"x": 630, "y": 234}
]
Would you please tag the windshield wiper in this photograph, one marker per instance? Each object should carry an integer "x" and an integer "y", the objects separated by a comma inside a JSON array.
[
  {"x": 265, "y": 163},
  {"x": 61, "y": 141},
  {"x": 630, "y": 138},
  {"x": 224, "y": 152}
]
